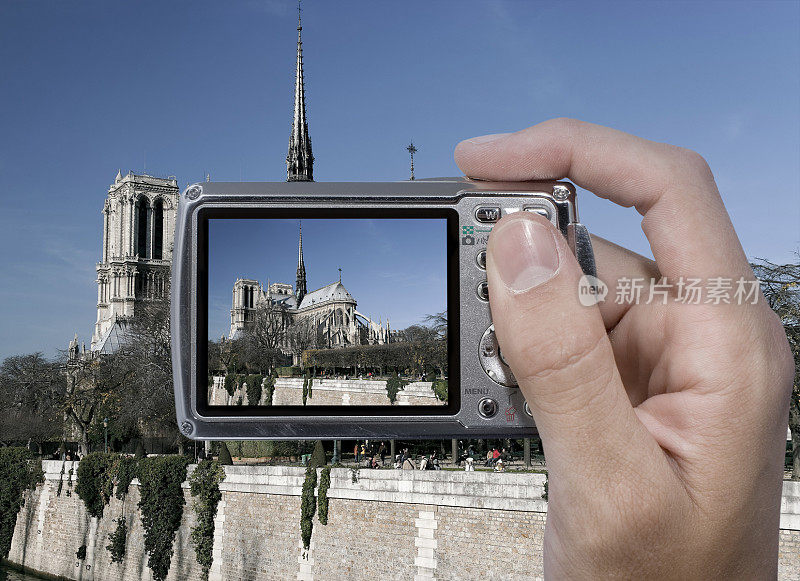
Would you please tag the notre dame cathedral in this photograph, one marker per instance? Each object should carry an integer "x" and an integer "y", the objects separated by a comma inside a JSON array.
[
  {"x": 330, "y": 310},
  {"x": 138, "y": 229}
]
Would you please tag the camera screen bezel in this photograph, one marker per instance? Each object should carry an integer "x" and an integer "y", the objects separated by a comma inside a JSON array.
[{"x": 451, "y": 217}]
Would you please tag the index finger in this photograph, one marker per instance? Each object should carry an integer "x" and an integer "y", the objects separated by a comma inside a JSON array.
[{"x": 685, "y": 221}]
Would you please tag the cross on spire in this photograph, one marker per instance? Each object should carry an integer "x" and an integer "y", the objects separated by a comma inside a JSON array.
[{"x": 412, "y": 150}]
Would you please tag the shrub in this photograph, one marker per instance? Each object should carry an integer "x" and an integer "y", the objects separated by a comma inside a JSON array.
[
  {"x": 140, "y": 451},
  {"x": 393, "y": 385},
  {"x": 269, "y": 385},
  {"x": 204, "y": 486},
  {"x": 430, "y": 376},
  {"x": 19, "y": 471},
  {"x": 546, "y": 480},
  {"x": 440, "y": 389},
  {"x": 230, "y": 383},
  {"x": 61, "y": 478},
  {"x": 95, "y": 481},
  {"x": 293, "y": 371},
  {"x": 116, "y": 545},
  {"x": 225, "y": 455},
  {"x": 125, "y": 473},
  {"x": 305, "y": 390},
  {"x": 308, "y": 505},
  {"x": 318, "y": 455},
  {"x": 161, "y": 506},
  {"x": 254, "y": 389},
  {"x": 324, "y": 484}
]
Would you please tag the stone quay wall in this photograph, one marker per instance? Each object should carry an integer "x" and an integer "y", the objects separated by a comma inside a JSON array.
[
  {"x": 382, "y": 524},
  {"x": 339, "y": 392},
  {"x": 289, "y": 391}
]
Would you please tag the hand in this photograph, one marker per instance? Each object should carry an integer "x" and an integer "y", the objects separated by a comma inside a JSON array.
[{"x": 664, "y": 425}]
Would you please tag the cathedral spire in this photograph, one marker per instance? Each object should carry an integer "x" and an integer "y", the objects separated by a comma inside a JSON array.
[
  {"x": 300, "y": 284},
  {"x": 299, "y": 161}
]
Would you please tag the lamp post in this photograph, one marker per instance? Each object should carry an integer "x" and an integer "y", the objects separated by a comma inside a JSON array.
[{"x": 105, "y": 430}]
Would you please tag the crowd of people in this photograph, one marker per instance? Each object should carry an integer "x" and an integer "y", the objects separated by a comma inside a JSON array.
[{"x": 370, "y": 455}]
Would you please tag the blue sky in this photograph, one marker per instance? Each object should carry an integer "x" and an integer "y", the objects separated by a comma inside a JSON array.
[
  {"x": 187, "y": 88},
  {"x": 395, "y": 268}
]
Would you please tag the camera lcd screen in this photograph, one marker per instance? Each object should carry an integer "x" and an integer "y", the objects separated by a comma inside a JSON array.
[{"x": 308, "y": 312}]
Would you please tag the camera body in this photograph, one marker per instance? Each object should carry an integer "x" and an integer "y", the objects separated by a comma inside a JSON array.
[{"x": 362, "y": 379}]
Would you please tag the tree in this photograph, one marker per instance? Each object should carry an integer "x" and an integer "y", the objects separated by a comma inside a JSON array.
[
  {"x": 230, "y": 354},
  {"x": 266, "y": 334},
  {"x": 214, "y": 357},
  {"x": 302, "y": 336},
  {"x": 318, "y": 455},
  {"x": 780, "y": 284},
  {"x": 225, "y": 455},
  {"x": 30, "y": 399},
  {"x": 148, "y": 399},
  {"x": 92, "y": 382},
  {"x": 418, "y": 334},
  {"x": 438, "y": 322}
]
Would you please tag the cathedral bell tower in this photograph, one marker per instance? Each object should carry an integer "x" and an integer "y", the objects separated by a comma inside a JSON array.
[
  {"x": 299, "y": 161},
  {"x": 135, "y": 261}
]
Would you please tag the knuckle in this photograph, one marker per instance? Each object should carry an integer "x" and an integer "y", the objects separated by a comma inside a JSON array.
[
  {"x": 567, "y": 354},
  {"x": 696, "y": 163},
  {"x": 562, "y": 125},
  {"x": 780, "y": 350},
  {"x": 576, "y": 375}
]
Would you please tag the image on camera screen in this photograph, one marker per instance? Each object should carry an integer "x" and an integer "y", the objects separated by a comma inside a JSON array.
[{"x": 327, "y": 312}]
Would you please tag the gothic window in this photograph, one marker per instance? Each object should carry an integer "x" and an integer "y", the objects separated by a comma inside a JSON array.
[
  {"x": 158, "y": 229},
  {"x": 141, "y": 228}
]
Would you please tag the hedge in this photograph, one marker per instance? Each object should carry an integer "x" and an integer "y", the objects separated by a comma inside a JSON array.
[
  {"x": 391, "y": 357},
  {"x": 19, "y": 471},
  {"x": 204, "y": 486},
  {"x": 308, "y": 505},
  {"x": 96, "y": 481},
  {"x": 161, "y": 505}
]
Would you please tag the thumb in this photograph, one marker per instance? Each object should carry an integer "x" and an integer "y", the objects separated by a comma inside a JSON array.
[{"x": 557, "y": 348}]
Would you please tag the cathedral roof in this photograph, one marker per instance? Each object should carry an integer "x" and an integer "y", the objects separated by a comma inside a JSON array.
[
  {"x": 114, "y": 338},
  {"x": 332, "y": 292},
  {"x": 290, "y": 301}
]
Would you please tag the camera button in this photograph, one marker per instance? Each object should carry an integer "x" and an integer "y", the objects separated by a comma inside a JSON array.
[
  {"x": 487, "y": 213},
  {"x": 492, "y": 360},
  {"x": 487, "y": 408},
  {"x": 527, "y": 409},
  {"x": 481, "y": 259},
  {"x": 483, "y": 291},
  {"x": 541, "y": 211}
]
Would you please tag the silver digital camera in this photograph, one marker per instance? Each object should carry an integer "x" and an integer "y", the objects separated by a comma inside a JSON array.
[{"x": 308, "y": 310}]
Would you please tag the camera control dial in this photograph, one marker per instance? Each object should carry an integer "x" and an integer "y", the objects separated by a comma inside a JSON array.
[{"x": 492, "y": 360}]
